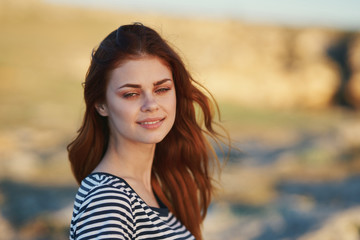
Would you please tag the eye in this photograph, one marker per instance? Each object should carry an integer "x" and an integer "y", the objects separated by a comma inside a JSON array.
[
  {"x": 130, "y": 95},
  {"x": 162, "y": 90}
]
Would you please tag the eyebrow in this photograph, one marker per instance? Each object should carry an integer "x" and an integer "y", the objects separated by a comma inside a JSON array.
[{"x": 139, "y": 86}]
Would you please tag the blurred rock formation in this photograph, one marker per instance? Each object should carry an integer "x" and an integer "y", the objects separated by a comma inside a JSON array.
[
  {"x": 344, "y": 226},
  {"x": 278, "y": 67},
  {"x": 250, "y": 64},
  {"x": 7, "y": 232},
  {"x": 353, "y": 88}
]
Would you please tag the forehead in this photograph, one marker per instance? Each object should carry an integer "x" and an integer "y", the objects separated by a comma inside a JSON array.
[{"x": 140, "y": 70}]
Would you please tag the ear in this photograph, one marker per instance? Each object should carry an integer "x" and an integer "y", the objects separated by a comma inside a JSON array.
[{"x": 101, "y": 108}]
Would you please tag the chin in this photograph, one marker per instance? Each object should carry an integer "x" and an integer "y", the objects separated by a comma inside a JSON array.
[
  {"x": 153, "y": 140},
  {"x": 154, "y": 137}
]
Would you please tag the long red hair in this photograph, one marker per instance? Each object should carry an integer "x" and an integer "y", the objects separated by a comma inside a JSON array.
[{"x": 181, "y": 168}]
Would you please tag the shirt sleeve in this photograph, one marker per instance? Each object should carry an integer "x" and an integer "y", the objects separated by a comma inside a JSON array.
[{"x": 106, "y": 213}]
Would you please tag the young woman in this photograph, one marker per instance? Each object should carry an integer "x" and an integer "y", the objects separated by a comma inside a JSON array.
[{"x": 141, "y": 156}]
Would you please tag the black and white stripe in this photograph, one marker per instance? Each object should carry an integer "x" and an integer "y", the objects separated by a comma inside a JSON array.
[{"x": 106, "y": 207}]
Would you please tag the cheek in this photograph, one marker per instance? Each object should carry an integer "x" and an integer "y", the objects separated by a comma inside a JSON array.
[
  {"x": 121, "y": 111},
  {"x": 170, "y": 102},
  {"x": 172, "y": 108}
]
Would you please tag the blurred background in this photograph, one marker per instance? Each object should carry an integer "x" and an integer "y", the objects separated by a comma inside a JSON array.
[{"x": 286, "y": 75}]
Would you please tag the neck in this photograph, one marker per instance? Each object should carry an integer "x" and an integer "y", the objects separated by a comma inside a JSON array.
[{"x": 129, "y": 160}]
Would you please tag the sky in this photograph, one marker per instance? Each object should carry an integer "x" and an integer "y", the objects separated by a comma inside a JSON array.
[{"x": 342, "y": 14}]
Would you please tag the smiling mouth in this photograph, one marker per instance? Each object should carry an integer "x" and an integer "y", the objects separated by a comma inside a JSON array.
[{"x": 151, "y": 123}]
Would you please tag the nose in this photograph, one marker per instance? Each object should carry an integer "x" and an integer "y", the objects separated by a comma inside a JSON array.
[{"x": 149, "y": 104}]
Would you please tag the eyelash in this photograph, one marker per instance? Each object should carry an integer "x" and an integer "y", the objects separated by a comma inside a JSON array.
[
  {"x": 158, "y": 91},
  {"x": 130, "y": 95},
  {"x": 162, "y": 90}
]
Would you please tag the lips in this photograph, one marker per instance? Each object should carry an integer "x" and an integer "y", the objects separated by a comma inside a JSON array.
[{"x": 151, "y": 123}]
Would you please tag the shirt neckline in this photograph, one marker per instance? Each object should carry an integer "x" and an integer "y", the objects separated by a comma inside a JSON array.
[{"x": 162, "y": 210}]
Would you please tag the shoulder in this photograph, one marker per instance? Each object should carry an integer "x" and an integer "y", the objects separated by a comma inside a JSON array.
[
  {"x": 101, "y": 191},
  {"x": 103, "y": 200},
  {"x": 99, "y": 182}
]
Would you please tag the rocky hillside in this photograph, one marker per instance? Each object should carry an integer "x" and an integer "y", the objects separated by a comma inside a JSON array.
[{"x": 252, "y": 65}]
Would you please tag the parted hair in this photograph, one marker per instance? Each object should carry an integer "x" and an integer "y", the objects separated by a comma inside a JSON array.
[{"x": 181, "y": 171}]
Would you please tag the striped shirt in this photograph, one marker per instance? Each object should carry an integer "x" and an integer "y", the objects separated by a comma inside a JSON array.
[{"x": 106, "y": 207}]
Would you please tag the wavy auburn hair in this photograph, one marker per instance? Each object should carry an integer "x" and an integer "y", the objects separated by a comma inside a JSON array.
[{"x": 181, "y": 169}]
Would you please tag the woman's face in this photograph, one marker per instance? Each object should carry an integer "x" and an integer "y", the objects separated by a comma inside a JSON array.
[{"x": 140, "y": 101}]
